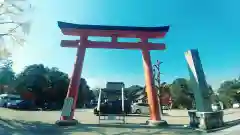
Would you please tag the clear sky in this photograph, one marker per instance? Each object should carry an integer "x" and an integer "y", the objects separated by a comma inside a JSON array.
[{"x": 212, "y": 26}]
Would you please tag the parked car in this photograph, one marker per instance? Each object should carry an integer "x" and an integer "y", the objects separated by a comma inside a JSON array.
[
  {"x": 5, "y": 98},
  {"x": 217, "y": 106},
  {"x": 140, "y": 108},
  {"x": 236, "y": 105},
  {"x": 93, "y": 103},
  {"x": 113, "y": 107},
  {"x": 21, "y": 105},
  {"x": 166, "y": 107}
]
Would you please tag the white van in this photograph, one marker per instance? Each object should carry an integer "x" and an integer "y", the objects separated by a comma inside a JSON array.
[{"x": 5, "y": 98}]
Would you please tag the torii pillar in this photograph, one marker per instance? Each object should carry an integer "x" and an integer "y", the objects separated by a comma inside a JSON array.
[{"x": 84, "y": 31}]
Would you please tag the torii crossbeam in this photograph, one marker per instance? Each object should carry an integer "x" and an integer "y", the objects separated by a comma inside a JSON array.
[{"x": 114, "y": 32}]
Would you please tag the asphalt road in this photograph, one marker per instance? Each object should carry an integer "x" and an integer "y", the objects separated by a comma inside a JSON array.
[{"x": 42, "y": 122}]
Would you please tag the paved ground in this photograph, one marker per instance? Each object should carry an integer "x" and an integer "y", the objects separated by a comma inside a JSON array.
[
  {"x": 42, "y": 122},
  {"x": 229, "y": 131}
]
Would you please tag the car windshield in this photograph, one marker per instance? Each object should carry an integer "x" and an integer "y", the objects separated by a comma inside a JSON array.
[
  {"x": 18, "y": 101},
  {"x": 14, "y": 98}
]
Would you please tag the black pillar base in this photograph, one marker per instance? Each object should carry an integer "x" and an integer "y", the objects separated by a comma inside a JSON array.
[{"x": 72, "y": 122}]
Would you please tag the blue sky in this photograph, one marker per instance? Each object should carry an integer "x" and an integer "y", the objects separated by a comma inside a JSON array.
[{"x": 212, "y": 26}]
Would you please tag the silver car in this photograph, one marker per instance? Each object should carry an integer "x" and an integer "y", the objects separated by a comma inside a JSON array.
[
  {"x": 5, "y": 98},
  {"x": 140, "y": 108}
]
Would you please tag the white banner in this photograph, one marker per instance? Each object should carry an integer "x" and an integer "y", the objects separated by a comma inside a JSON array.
[
  {"x": 122, "y": 99},
  {"x": 99, "y": 99}
]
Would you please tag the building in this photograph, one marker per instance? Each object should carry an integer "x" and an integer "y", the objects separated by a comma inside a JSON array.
[
  {"x": 115, "y": 85},
  {"x": 5, "y": 89},
  {"x": 137, "y": 94},
  {"x": 113, "y": 91}
]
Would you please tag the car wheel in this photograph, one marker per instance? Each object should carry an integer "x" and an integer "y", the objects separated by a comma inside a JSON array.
[{"x": 138, "y": 111}]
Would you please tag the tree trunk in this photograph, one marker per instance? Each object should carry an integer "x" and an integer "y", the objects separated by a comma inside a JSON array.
[{"x": 160, "y": 105}]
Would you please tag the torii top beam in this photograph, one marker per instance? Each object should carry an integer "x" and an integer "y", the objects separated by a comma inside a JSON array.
[{"x": 144, "y": 33}]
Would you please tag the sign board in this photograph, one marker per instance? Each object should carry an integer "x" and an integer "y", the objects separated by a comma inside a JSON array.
[
  {"x": 67, "y": 107},
  {"x": 111, "y": 117}
]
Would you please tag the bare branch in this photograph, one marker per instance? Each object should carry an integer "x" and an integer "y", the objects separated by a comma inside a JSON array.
[
  {"x": 1, "y": 5},
  {"x": 9, "y": 10},
  {"x": 9, "y": 4},
  {"x": 16, "y": 40},
  {"x": 155, "y": 66},
  {"x": 17, "y": 7},
  {"x": 4, "y": 53},
  {"x": 14, "y": 29},
  {"x": 9, "y": 22},
  {"x": 10, "y": 31},
  {"x": 1, "y": 35}
]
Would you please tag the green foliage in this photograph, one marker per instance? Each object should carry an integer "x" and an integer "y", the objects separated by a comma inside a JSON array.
[
  {"x": 50, "y": 85},
  {"x": 226, "y": 100},
  {"x": 7, "y": 75},
  {"x": 181, "y": 93},
  {"x": 229, "y": 92},
  {"x": 45, "y": 84},
  {"x": 84, "y": 94}
]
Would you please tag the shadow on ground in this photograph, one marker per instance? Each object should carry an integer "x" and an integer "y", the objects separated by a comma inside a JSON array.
[
  {"x": 19, "y": 127},
  {"x": 129, "y": 129},
  {"x": 10, "y": 127},
  {"x": 232, "y": 123}
]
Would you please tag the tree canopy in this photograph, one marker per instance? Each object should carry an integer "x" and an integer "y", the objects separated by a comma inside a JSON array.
[
  {"x": 49, "y": 84},
  {"x": 229, "y": 92},
  {"x": 45, "y": 84},
  {"x": 182, "y": 93}
]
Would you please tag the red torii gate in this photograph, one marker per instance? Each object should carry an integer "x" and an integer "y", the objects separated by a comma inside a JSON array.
[{"x": 143, "y": 33}]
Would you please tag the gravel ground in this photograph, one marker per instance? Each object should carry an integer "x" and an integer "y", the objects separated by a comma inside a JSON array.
[{"x": 42, "y": 122}]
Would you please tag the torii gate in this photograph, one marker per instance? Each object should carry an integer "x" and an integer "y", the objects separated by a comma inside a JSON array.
[{"x": 84, "y": 31}]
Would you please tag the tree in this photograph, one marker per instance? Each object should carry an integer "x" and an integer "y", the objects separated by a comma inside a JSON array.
[
  {"x": 33, "y": 78},
  {"x": 42, "y": 84},
  {"x": 58, "y": 85},
  {"x": 157, "y": 81},
  {"x": 14, "y": 25},
  {"x": 95, "y": 92},
  {"x": 84, "y": 96},
  {"x": 91, "y": 95},
  {"x": 166, "y": 97},
  {"x": 156, "y": 75},
  {"x": 181, "y": 93},
  {"x": 7, "y": 76},
  {"x": 229, "y": 92}
]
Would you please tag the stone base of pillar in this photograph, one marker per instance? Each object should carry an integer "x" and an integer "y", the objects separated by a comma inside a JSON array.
[
  {"x": 156, "y": 123},
  {"x": 206, "y": 120},
  {"x": 72, "y": 122},
  {"x": 194, "y": 120}
]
